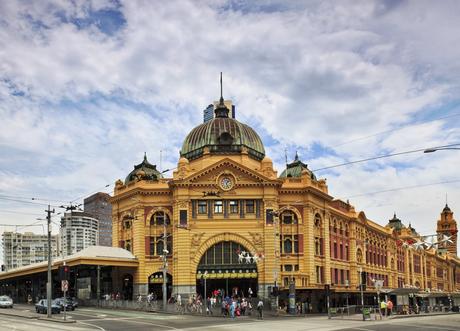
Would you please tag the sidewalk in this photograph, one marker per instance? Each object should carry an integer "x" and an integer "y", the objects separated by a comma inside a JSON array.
[
  {"x": 30, "y": 314},
  {"x": 359, "y": 317}
]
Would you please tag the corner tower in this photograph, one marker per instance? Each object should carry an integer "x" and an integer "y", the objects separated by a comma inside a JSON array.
[{"x": 448, "y": 226}]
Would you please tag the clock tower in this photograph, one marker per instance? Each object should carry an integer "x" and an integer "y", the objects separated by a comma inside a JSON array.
[{"x": 448, "y": 226}]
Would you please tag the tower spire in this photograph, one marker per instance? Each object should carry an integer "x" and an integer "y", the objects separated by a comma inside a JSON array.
[
  {"x": 221, "y": 110},
  {"x": 221, "y": 91}
]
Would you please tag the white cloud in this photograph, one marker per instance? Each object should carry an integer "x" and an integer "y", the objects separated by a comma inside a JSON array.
[{"x": 80, "y": 105}]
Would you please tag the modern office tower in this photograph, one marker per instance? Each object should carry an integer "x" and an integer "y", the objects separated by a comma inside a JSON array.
[
  {"x": 99, "y": 207},
  {"x": 21, "y": 249},
  {"x": 208, "y": 113},
  {"x": 79, "y": 230}
]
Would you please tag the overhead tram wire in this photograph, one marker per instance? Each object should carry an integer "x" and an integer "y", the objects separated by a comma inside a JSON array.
[
  {"x": 29, "y": 198},
  {"x": 88, "y": 194},
  {"x": 25, "y": 201},
  {"x": 18, "y": 212},
  {"x": 404, "y": 188},
  {"x": 394, "y": 130},
  {"x": 380, "y": 157}
]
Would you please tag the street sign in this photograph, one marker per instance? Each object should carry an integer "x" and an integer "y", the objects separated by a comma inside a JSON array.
[{"x": 64, "y": 285}]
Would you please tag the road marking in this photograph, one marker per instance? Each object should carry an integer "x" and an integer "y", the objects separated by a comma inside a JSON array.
[
  {"x": 93, "y": 325},
  {"x": 127, "y": 319},
  {"x": 426, "y": 326}
]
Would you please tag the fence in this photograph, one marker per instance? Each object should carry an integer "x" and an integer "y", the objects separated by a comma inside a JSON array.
[{"x": 184, "y": 307}]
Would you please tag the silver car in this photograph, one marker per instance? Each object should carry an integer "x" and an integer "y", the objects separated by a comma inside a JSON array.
[{"x": 6, "y": 302}]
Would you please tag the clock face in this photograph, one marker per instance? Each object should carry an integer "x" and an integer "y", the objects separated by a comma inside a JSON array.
[{"x": 226, "y": 183}]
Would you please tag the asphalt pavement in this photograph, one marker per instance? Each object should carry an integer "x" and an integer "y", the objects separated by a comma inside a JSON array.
[{"x": 88, "y": 318}]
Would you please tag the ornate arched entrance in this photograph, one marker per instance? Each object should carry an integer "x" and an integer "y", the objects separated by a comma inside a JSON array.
[
  {"x": 223, "y": 269},
  {"x": 156, "y": 284}
]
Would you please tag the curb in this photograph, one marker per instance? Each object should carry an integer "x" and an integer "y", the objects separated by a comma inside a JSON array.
[
  {"x": 424, "y": 315},
  {"x": 17, "y": 315},
  {"x": 56, "y": 320}
]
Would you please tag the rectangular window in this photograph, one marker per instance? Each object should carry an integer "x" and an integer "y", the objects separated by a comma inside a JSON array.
[
  {"x": 317, "y": 246},
  {"x": 288, "y": 267},
  {"x": 218, "y": 207},
  {"x": 202, "y": 207},
  {"x": 269, "y": 216},
  {"x": 335, "y": 251},
  {"x": 249, "y": 206},
  {"x": 233, "y": 207},
  {"x": 183, "y": 217}
]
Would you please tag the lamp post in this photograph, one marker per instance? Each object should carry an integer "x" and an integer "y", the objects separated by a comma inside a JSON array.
[
  {"x": 49, "y": 283},
  {"x": 441, "y": 148},
  {"x": 165, "y": 266}
]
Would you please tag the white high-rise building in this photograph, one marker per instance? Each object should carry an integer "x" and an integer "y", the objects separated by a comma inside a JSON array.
[
  {"x": 78, "y": 231},
  {"x": 21, "y": 249}
]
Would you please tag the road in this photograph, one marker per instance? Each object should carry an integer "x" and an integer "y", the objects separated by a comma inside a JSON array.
[{"x": 121, "y": 320}]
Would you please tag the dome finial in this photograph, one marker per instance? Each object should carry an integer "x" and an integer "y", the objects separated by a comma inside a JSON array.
[
  {"x": 221, "y": 110},
  {"x": 296, "y": 156},
  {"x": 145, "y": 156},
  {"x": 221, "y": 91}
]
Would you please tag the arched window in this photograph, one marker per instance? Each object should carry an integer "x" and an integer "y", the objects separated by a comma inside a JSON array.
[
  {"x": 289, "y": 217},
  {"x": 359, "y": 255},
  {"x": 160, "y": 218},
  {"x": 288, "y": 246},
  {"x": 127, "y": 222},
  {"x": 317, "y": 220}
]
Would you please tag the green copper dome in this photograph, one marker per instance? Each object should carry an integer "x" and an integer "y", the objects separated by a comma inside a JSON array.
[
  {"x": 295, "y": 169},
  {"x": 222, "y": 135},
  {"x": 143, "y": 171}
]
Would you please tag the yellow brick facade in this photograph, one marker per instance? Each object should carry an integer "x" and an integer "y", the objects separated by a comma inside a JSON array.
[{"x": 334, "y": 242}]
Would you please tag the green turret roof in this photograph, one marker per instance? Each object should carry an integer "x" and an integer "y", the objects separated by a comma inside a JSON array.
[
  {"x": 143, "y": 171},
  {"x": 295, "y": 169},
  {"x": 395, "y": 223}
]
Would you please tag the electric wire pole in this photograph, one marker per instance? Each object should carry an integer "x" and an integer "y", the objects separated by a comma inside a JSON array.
[
  {"x": 165, "y": 265},
  {"x": 50, "y": 281}
]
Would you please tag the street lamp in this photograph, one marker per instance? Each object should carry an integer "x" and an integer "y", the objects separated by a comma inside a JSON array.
[{"x": 434, "y": 149}]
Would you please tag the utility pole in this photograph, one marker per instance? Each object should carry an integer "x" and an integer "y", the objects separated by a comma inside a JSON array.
[
  {"x": 277, "y": 266},
  {"x": 165, "y": 265},
  {"x": 361, "y": 288},
  {"x": 49, "y": 283}
]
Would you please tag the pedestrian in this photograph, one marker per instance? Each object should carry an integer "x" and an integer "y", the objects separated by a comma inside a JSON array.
[
  {"x": 232, "y": 309},
  {"x": 260, "y": 309},
  {"x": 208, "y": 306},
  {"x": 383, "y": 308},
  {"x": 389, "y": 307}
]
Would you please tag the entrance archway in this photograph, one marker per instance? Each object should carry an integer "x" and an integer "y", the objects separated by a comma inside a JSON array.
[
  {"x": 156, "y": 285},
  {"x": 221, "y": 268}
]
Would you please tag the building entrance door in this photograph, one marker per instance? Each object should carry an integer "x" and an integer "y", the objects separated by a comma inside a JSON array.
[{"x": 222, "y": 268}]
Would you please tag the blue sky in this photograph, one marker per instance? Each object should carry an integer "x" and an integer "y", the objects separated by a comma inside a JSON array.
[{"x": 86, "y": 87}]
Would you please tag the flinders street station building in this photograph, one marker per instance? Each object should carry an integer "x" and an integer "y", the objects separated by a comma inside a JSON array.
[
  {"x": 230, "y": 219},
  {"x": 227, "y": 220}
]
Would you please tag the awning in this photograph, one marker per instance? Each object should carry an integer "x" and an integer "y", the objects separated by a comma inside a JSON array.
[{"x": 403, "y": 290}]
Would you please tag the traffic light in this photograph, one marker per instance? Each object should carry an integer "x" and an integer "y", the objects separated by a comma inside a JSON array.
[
  {"x": 64, "y": 272},
  {"x": 3, "y": 267},
  {"x": 327, "y": 288},
  {"x": 275, "y": 291}
]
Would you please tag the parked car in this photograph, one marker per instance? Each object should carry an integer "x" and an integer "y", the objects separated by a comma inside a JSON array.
[
  {"x": 42, "y": 307},
  {"x": 6, "y": 302},
  {"x": 60, "y": 302},
  {"x": 74, "y": 301}
]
